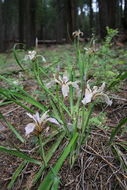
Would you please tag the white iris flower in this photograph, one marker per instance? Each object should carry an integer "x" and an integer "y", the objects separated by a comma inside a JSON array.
[
  {"x": 65, "y": 83},
  {"x": 39, "y": 123},
  {"x": 91, "y": 94},
  {"x": 32, "y": 55},
  {"x": 77, "y": 34}
]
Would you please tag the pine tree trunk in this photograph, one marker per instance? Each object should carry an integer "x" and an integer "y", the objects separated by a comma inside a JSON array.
[
  {"x": 91, "y": 16},
  {"x": 27, "y": 22},
  {"x": 21, "y": 20},
  {"x": 107, "y": 15},
  {"x": 103, "y": 14},
  {"x": 70, "y": 13},
  {"x": 125, "y": 14},
  {"x": 1, "y": 28}
]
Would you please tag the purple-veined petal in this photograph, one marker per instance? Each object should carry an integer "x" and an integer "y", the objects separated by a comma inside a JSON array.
[
  {"x": 53, "y": 120},
  {"x": 75, "y": 85},
  {"x": 65, "y": 90},
  {"x": 31, "y": 116},
  {"x": 29, "y": 128},
  {"x": 37, "y": 117},
  {"x": 88, "y": 97}
]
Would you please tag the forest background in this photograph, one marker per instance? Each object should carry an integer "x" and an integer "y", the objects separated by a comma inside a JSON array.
[{"x": 24, "y": 20}]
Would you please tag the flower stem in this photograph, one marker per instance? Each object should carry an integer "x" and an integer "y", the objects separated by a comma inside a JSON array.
[{"x": 42, "y": 153}]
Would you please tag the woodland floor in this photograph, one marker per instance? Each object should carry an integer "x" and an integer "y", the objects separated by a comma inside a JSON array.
[{"x": 96, "y": 167}]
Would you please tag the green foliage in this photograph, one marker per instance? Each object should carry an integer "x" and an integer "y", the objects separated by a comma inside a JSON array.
[
  {"x": 111, "y": 33},
  {"x": 49, "y": 179},
  {"x": 12, "y": 129},
  {"x": 117, "y": 129},
  {"x": 19, "y": 154},
  {"x": 16, "y": 174}
]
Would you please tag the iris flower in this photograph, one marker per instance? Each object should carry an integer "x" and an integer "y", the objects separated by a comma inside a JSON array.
[
  {"x": 32, "y": 55},
  {"x": 91, "y": 50},
  {"x": 65, "y": 83},
  {"x": 77, "y": 34},
  {"x": 39, "y": 123},
  {"x": 92, "y": 94}
]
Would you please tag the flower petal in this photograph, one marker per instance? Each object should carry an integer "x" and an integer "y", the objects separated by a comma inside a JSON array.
[
  {"x": 31, "y": 116},
  {"x": 44, "y": 116},
  {"x": 88, "y": 86},
  {"x": 50, "y": 84},
  {"x": 43, "y": 59},
  {"x": 26, "y": 58},
  {"x": 107, "y": 100},
  {"x": 53, "y": 120},
  {"x": 57, "y": 79},
  {"x": 65, "y": 90},
  {"x": 36, "y": 117},
  {"x": 88, "y": 97},
  {"x": 75, "y": 85},
  {"x": 29, "y": 128},
  {"x": 60, "y": 79},
  {"x": 65, "y": 77},
  {"x": 101, "y": 88},
  {"x": 95, "y": 90}
]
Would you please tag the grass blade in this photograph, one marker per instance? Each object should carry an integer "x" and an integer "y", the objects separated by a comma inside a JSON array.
[
  {"x": 121, "y": 157},
  {"x": 13, "y": 129},
  {"x": 16, "y": 174},
  {"x": 117, "y": 129},
  {"x": 20, "y": 155},
  {"x": 11, "y": 95},
  {"x": 30, "y": 100},
  {"x": 16, "y": 57},
  {"x": 119, "y": 78},
  {"x": 86, "y": 122}
]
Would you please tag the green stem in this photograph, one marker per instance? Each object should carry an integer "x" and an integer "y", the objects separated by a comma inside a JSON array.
[
  {"x": 42, "y": 153},
  {"x": 61, "y": 110}
]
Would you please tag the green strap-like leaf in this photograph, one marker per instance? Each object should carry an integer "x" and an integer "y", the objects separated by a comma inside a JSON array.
[
  {"x": 20, "y": 155},
  {"x": 16, "y": 174},
  {"x": 13, "y": 129},
  {"x": 117, "y": 129}
]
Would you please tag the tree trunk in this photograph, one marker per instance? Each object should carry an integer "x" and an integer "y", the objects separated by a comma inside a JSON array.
[
  {"x": 21, "y": 20},
  {"x": 107, "y": 14},
  {"x": 91, "y": 16},
  {"x": 125, "y": 15},
  {"x": 1, "y": 28},
  {"x": 27, "y": 22},
  {"x": 103, "y": 17},
  {"x": 70, "y": 14}
]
